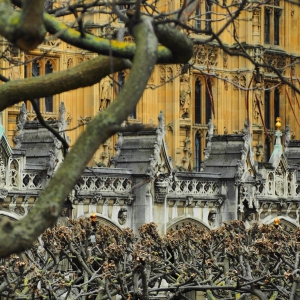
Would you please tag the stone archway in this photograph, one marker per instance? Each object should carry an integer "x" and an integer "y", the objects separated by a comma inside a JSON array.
[
  {"x": 179, "y": 222},
  {"x": 286, "y": 223},
  {"x": 103, "y": 221},
  {"x": 9, "y": 216}
]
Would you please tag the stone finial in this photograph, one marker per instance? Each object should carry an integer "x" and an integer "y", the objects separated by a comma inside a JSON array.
[
  {"x": 277, "y": 152},
  {"x": 278, "y": 123}
]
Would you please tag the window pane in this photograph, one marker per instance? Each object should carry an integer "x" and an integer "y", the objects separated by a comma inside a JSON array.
[
  {"x": 48, "y": 68},
  {"x": 267, "y": 26},
  {"x": 49, "y": 104},
  {"x": 276, "y": 26},
  {"x": 197, "y": 17},
  {"x": 35, "y": 69}
]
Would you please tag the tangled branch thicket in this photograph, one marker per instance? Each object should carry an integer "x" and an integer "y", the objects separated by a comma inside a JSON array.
[{"x": 227, "y": 263}]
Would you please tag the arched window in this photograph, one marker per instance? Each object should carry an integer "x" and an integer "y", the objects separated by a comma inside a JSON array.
[
  {"x": 48, "y": 99},
  {"x": 36, "y": 67}
]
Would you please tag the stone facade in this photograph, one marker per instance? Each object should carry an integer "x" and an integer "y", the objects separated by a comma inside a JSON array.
[
  {"x": 143, "y": 186},
  {"x": 182, "y": 93}
]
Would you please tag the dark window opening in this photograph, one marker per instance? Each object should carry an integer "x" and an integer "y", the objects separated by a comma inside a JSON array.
[
  {"x": 25, "y": 71},
  {"x": 132, "y": 115},
  {"x": 197, "y": 17},
  {"x": 35, "y": 72},
  {"x": 267, "y": 109},
  {"x": 197, "y": 152},
  {"x": 121, "y": 81},
  {"x": 198, "y": 89},
  {"x": 208, "y": 16},
  {"x": 276, "y": 104},
  {"x": 48, "y": 99},
  {"x": 207, "y": 107},
  {"x": 267, "y": 150},
  {"x": 276, "y": 26},
  {"x": 267, "y": 27}
]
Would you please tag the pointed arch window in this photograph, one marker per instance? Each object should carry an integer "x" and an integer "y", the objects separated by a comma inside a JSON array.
[
  {"x": 272, "y": 22},
  {"x": 34, "y": 68}
]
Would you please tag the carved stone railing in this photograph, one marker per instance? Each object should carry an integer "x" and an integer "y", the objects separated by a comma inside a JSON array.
[
  {"x": 194, "y": 187},
  {"x": 100, "y": 184},
  {"x": 278, "y": 185},
  {"x": 31, "y": 181}
]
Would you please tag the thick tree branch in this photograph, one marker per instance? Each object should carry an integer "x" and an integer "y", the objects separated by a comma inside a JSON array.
[
  {"x": 179, "y": 54},
  {"x": 20, "y": 235},
  {"x": 24, "y": 28},
  {"x": 85, "y": 74}
]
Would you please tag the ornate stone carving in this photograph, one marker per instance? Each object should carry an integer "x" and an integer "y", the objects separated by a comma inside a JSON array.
[
  {"x": 122, "y": 216},
  {"x": 14, "y": 173},
  {"x": 225, "y": 60},
  {"x": 279, "y": 181},
  {"x": 20, "y": 127},
  {"x": 257, "y": 103},
  {"x": 161, "y": 190},
  {"x": 105, "y": 93},
  {"x": 185, "y": 96},
  {"x": 3, "y": 193},
  {"x": 2, "y": 169}
]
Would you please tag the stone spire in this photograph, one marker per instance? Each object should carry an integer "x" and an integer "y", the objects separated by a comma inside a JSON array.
[{"x": 277, "y": 152}]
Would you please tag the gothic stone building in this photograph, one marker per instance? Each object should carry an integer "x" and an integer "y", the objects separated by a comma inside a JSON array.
[
  {"x": 142, "y": 185},
  {"x": 268, "y": 33}
]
